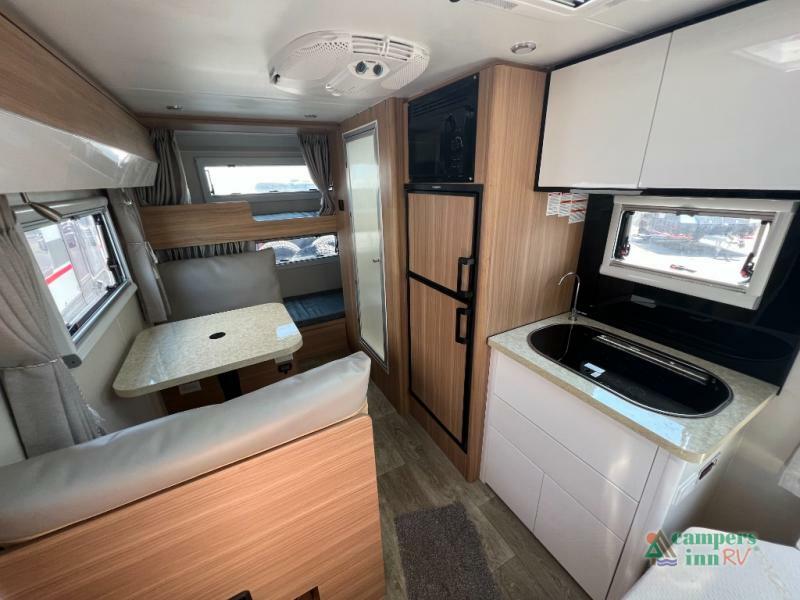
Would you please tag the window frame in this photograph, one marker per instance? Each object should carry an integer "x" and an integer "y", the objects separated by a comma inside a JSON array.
[
  {"x": 98, "y": 208},
  {"x": 201, "y": 162},
  {"x": 779, "y": 212}
]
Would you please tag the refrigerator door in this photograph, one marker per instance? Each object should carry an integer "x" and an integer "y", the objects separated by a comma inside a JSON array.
[
  {"x": 439, "y": 334},
  {"x": 441, "y": 239}
]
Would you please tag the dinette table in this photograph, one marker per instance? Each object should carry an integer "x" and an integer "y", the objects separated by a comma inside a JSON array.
[{"x": 181, "y": 352}]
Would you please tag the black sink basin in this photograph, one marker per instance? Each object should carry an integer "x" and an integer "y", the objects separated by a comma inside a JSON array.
[{"x": 646, "y": 377}]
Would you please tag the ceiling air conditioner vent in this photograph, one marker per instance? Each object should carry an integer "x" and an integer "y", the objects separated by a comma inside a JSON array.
[{"x": 346, "y": 64}]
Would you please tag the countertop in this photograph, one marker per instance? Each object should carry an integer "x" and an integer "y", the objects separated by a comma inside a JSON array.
[
  {"x": 692, "y": 439},
  {"x": 183, "y": 351}
]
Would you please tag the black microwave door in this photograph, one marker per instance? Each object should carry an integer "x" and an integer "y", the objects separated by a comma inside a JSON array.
[{"x": 442, "y": 129}]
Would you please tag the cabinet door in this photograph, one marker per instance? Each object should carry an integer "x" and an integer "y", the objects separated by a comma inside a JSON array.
[
  {"x": 438, "y": 358},
  {"x": 583, "y": 546},
  {"x": 441, "y": 238},
  {"x": 512, "y": 476},
  {"x": 727, "y": 115},
  {"x": 598, "y": 118}
]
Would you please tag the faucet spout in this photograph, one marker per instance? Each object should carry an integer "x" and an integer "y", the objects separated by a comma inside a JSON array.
[{"x": 573, "y": 315}]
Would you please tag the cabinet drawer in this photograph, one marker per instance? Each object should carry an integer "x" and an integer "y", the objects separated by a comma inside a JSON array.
[
  {"x": 514, "y": 478},
  {"x": 617, "y": 453},
  {"x": 613, "y": 507},
  {"x": 586, "y": 549}
]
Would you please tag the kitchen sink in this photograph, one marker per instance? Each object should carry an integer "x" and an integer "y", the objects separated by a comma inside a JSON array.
[{"x": 641, "y": 375}]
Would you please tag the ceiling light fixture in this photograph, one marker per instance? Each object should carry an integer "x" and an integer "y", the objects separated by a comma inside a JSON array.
[
  {"x": 521, "y": 48},
  {"x": 174, "y": 106}
]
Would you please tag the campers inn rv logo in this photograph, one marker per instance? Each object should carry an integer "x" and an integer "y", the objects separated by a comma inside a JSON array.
[{"x": 700, "y": 549}]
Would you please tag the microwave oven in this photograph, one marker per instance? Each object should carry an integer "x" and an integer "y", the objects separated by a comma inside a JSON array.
[{"x": 442, "y": 130}]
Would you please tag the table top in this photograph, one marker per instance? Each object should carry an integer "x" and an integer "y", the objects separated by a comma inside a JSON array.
[{"x": 183, "y": 351}]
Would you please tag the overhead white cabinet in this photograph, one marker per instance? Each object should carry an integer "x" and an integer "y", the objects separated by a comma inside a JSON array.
[
  {"x": 728, "y": 114},
  {"x": 598, "y": 118}
]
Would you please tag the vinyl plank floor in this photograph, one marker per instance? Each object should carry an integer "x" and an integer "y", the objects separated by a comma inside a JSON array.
[{"x": 414, "y": 474}]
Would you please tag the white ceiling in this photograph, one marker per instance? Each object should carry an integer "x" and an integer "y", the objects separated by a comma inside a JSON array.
[{"x": 211, "y": 56}]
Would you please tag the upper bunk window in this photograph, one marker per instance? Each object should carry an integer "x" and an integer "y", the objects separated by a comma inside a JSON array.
[
  {"x": 224, "y": 181},
  {"x": 300, "y": 250},
  {"x": 718, "y": 249},
  {"x": 81, "y": 264}
]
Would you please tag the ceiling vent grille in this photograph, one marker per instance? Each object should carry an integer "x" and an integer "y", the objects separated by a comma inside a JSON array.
[{"x": 345, "y": 64}]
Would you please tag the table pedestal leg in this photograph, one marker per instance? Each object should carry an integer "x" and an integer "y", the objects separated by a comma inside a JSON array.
[{"x": 230, "y": 384}]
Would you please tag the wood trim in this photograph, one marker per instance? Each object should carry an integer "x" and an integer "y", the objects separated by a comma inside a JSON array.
[
  {"x": 525, "y": 252},
  {"x": 298, "y": 517},
  {"x": 217, "y": 223},
  {"x": 388, "y": 115},
  {"x": 38, "y": 85},
  {"x": 230, "y": 124},
  {"x": 323, "y": 339}
]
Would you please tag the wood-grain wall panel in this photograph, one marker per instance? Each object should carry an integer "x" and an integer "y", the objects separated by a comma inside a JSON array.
[
  {"x": 388, "y": 116},
  {"x": 215, "y": 223},
  {"x": 36, "y": 84},
  {"x": 301, "y": 516},
  {"x": 524, "y": 251}
]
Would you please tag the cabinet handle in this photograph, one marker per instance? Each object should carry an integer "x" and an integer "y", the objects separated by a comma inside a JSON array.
[
  {"x": 462, "y": 263},
  {"x": 462, "y": 312}
]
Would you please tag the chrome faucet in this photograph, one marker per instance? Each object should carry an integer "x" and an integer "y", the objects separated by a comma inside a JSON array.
[{"x": 573, "y": 315}]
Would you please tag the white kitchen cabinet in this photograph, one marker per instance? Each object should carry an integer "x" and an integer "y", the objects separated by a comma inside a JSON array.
[
  {"x": 588, "y": 487},
  {"x": 599, "y": 113},
  {"x": 727, "y": 115}
]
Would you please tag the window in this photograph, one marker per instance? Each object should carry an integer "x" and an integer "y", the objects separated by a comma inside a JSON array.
[
  {"x": 242, "y": 179},
  {"x": 718, "y": 249},
  {"x": 302, "y": 249},
  {"x": 80, "y": 264}
]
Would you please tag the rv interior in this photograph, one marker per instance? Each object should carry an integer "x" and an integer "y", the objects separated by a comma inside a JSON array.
[{"x": 425, "y": 300}]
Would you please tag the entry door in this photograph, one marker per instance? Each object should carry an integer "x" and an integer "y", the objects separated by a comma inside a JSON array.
[{"x": 363, "y": 175}]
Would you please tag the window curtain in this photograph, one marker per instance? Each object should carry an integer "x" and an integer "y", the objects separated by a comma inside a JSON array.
[
  {"x": 47, "y": 405},
  {"x": 141, "y": 258},
  {"x": 318, "y": 160},
  {"x": 206, "y": 251},
  {"x": 170, "y": 186}
]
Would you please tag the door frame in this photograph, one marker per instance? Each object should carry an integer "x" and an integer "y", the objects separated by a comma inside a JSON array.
[
  {"x": 475, "y": 190},
  {"x": 348, "y": 136}
]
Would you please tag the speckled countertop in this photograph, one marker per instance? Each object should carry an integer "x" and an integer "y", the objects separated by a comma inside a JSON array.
[
  {"x": 175, "y": 353},
  {"x": 692, "y": 439}
]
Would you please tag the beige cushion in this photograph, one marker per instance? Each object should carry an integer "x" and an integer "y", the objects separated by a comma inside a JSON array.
[
  {"x": 204, "y": 286},
  {"x": 57, "y": 489}
]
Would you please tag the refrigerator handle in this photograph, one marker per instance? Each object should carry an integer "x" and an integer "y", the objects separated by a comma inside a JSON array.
[
  {"x": 462, "y": 312},
  {"x": 462, "y": 263}
]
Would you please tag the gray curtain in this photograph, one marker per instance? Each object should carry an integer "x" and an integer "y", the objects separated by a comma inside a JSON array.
[
  {"x": 170, "y": 186},
  {"x": 141, "y": 258},
  {"x": 47, "y": 405},
  {"x": 205, "y": 251},
  {"x": 318, "y": 160}
]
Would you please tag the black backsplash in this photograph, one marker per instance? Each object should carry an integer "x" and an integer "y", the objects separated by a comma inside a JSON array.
[{"x": 762, "y": 343}]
